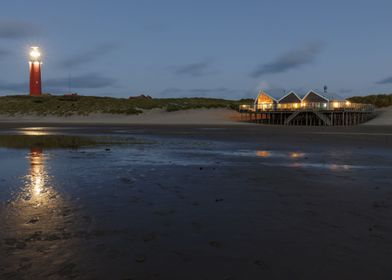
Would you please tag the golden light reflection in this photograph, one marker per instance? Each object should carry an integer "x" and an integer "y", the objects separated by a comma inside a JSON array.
[
  {"x": 38, "y": 173},
  {"x": 37, "y": 213},
  {"x": 37, "y": 202},
  {"x": 337, "y": 167},
  {"x": 38, "y": 189},
  {"x": 296, "y": 155},
  {"x": 263, "y": 153},
  {"x": 33, "y": 131}
]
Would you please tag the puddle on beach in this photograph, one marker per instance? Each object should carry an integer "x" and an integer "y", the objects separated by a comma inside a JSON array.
[
  {"x": 75, "y": 155},
  {"x": 289, "y": 159},
  {"x": 145, "y": 150}
]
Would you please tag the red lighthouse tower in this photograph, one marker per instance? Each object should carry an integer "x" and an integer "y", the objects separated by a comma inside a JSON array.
[{"x": 35, "y": 72}]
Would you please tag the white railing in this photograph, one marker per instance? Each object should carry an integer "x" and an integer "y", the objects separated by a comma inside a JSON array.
[{"x": 330, "y": 106}]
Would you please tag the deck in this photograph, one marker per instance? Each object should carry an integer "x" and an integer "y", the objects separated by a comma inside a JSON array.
[{"x": 353, "y": 115}]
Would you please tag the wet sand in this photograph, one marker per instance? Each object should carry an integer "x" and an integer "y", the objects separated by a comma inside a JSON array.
[{"x": 199, "y": 202}]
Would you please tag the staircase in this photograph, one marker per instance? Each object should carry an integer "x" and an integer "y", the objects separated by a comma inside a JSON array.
[
  {"x": 323, "y": 117},
  {"x": 291, "y": 117}
]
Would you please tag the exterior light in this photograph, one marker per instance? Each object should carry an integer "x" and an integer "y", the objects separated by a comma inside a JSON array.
[
  {"x": 35, "y": 54},
  {"x": 335, "y": 104},
  {"x": 348, "y": 103}
]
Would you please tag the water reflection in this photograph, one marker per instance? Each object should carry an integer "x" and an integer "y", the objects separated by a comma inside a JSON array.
[
  {"x": 37, "y": 173},
  {"x": 36, "y": 223},
  {"x": 279, "y": 154},
  {"x": 37, "y": 200},
  {"x": 39, "y": 186},
  {"x": 297, "y": 155},
  {"x": 263, "y": 154},
  {"x": 34, "y": 131}
]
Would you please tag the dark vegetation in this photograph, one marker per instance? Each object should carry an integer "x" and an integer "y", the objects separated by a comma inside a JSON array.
[
  {"x": 85, "y": 105},
  {"x": 379, "y": 100}
]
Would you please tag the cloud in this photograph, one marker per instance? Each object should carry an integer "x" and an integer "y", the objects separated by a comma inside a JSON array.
[
  {"x": 194, "y": 70},
  {"x": 385, "y": 81},
  {"x": 85, "y": 81},
  {"x": 87, "y": 56},
  {"x": 290, "y": 60},
  {"x": 12, "y": 29}
]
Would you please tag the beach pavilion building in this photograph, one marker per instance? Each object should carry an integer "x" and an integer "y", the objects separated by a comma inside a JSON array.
[
  {"x": 265, "y": 102},
  {"x": 312, "y": 109}
]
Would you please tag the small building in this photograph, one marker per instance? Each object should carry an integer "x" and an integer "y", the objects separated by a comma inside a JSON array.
[
  {"x": 265, "y": 102},
  {"x": 290, "y": 101}
]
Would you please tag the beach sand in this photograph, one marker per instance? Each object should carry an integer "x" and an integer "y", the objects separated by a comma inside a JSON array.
[
  {"x": 384, "y": 117},
  {"x": 200, "y": 202},
  {"x": 154, "y": 116}
]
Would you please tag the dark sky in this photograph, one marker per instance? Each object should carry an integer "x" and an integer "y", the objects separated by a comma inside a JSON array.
[{"x": 198, "y": 48}]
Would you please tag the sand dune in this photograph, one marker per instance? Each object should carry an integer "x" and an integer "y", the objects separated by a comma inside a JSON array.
[
  {"x": 384, "y": 117},
  {"x": 155, "y": 116}
]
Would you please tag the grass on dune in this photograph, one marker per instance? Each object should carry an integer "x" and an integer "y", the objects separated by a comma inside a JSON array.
[
  {"x": 85, "y": 105},
  {"x": 378, "y": 100}
]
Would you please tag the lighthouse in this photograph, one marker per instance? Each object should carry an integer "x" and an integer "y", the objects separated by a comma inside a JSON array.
[{"x": 35, "y": 63}]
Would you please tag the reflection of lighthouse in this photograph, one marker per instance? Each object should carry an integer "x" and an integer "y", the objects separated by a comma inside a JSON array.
[
  {"x": 37, "y": 171},
  {"x": 35, "y": 72}
]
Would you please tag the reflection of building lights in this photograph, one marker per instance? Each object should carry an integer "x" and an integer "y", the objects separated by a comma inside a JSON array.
[
  {"x": 336, "y": 167},
  {"x": 263, "y": 153},
  {"x": 296, "y": 155}
]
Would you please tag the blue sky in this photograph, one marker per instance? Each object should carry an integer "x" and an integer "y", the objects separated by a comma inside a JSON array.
[{"x": 198, "y": 48}]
